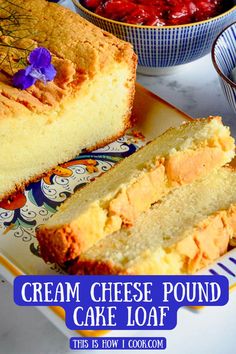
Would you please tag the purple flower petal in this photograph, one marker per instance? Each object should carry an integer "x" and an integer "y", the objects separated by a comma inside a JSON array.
[
  {"x": 29, "y": 69},
  {"x": 38, "y": 75},
  {"x": 40, "y": 58},
  {"x": 22, "y": 81},
  {"x": 40, "y": 69},
  {"x": 49, "y": 72},
  {"x": 44, "y": 74}
]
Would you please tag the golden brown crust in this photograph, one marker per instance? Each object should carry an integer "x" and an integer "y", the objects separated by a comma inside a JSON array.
[
  {"x": 209, "y": 240},
  {"x": 94, "y": 268},
  {"x": 79, "y": 49},
  {"x": 58, "y": 245}
]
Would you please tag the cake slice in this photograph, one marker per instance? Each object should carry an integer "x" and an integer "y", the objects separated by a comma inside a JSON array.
[
  {"x": 119, "y": 196},
  {"x": 87, "y": 105},
  {"x": 188, "y": 230}
]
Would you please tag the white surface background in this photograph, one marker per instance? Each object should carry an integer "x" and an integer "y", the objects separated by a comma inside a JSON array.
[{"x": 196, "y": 90}]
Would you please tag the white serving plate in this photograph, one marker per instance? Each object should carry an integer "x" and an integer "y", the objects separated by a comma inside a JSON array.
[{"x": 20, "y": 218}]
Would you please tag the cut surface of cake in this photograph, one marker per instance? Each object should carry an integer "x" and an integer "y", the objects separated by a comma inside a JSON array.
[
  {"x": 87, "y": 105},
  {"x": 187, "y": 231},
  {"x": 119, "y": 196}
]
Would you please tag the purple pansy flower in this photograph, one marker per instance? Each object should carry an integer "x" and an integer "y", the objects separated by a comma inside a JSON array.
[{"x": 40, "y": 68}]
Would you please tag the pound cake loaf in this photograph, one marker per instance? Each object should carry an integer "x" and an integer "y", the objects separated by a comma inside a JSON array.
[
  {"x": 187, "y": 231},
  {"x": 119, "y": 196},
  {"x": 86, "y": 105}
]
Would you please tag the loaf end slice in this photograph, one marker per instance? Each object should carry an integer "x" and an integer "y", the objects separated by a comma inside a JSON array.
[{"x": 86, "y": 106}]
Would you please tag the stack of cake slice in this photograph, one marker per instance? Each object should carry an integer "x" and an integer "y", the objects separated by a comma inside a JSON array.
[{"x": 168, "y": 208}]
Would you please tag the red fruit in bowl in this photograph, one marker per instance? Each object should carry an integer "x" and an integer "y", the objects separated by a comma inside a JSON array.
[
  {"x": 91, "y": 4},
  {"x": 138, "y": 16},
  {"x": 206, "y": 9},
  {"x": 160, "y": 4},
  {"x": 155, "y": 21},
  {"x": 179, "y": 14},
  {"x": 156, "y": 12},
  {"x": 192, "y": 7},
  {"x": 99, "y": 10},
  {"x": 149, "y": 9},
  {"x": 173, "y": 3},
  {"x": 119, "y": 7}
]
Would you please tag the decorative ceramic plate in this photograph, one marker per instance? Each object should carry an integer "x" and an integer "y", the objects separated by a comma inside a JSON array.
[{"x": 20, "y": 217}]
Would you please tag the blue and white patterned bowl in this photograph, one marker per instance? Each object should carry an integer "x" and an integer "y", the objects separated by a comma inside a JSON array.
[
  {"x": 224, "y": 61},
  {"x": 168, "y": 46}
]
